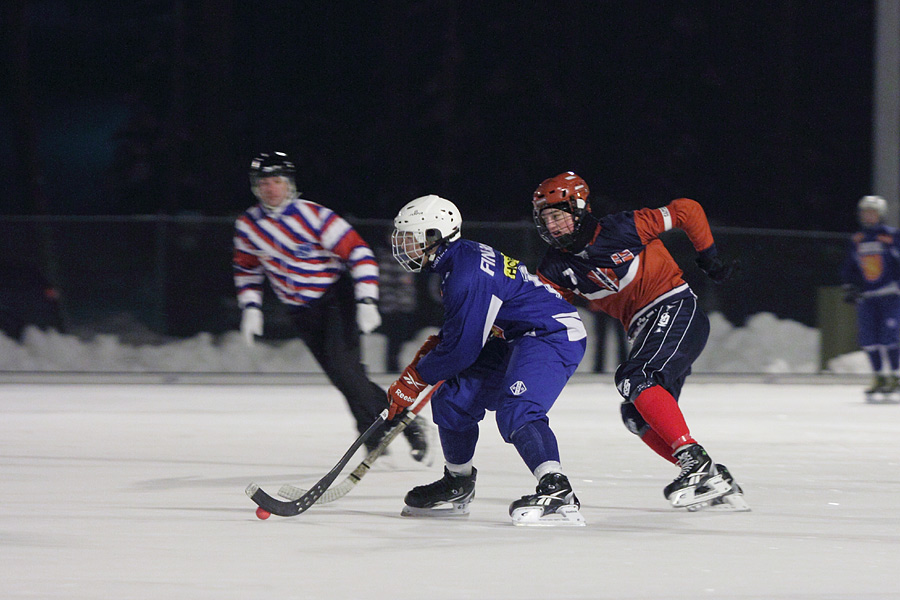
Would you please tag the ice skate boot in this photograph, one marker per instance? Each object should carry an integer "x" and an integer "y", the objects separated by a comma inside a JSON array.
[
  {"x": 419, "y": 434},
  {"x": 699, "y": 481},
  {"x": 429, "y": 500},
  {"x": 554, "y": 504},
  {"x": 732, "y": 501},
  {"x": 891, "y": 390},
  {"x": 876, "y": 392}
]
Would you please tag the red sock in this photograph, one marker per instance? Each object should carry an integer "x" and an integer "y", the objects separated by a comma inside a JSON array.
[
  {"x": 656, "y": 443},
  {"x": 660, "y": 410}
]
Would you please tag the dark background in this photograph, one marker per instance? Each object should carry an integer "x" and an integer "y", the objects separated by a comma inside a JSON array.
[{"x": 759, "y": 110}]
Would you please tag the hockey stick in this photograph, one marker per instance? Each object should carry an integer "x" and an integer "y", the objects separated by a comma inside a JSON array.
[
  {"x": 295, "y": 507},
  {"x": 340, "y": 490}
]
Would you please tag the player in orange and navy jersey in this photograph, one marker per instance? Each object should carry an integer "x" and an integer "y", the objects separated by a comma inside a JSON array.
[
  {"x": 871, "y": 280},
  {"x": 618, "y": 264}
]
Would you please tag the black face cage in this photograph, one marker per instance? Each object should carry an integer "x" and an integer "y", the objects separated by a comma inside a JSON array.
[{"x": 565, "y": 240}]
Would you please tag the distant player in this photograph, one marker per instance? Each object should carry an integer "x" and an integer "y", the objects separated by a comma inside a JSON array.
[
  {"x": 870, "y": 276},
  {"x": 619, "y": 266},
  {"x": 508, "y": 344},
  {"x": 326, "y": 274}
]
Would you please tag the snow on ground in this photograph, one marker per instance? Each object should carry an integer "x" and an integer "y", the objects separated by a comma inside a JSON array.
[
  {"x": 137, "y": 491},
  {"x": 765, "y": 344}
]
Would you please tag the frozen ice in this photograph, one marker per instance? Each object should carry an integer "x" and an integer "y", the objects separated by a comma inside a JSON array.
[{"x": 137, "y": 491}]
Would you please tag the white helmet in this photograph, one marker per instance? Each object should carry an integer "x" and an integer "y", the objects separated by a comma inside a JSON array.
[
  {"x": 420, "y": 227},
  {"x": 876, "y": 203}
]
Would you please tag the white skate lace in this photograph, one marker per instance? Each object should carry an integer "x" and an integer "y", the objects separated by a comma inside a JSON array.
[{"x": 687, "y": 463}]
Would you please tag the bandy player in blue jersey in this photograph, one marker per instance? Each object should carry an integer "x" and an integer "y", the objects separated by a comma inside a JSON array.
[
  {"x": 870, "y": 276},
  {"x": 508, "y": 344},
  {"x": 619, "y": 265}
]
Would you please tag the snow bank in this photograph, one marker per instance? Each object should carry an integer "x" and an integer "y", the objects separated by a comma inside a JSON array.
[{"x": 765, "y": 344}]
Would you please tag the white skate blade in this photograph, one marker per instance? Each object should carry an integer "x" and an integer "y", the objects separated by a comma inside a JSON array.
[
  {"x": 731, "y": 502},
  {"x": 874, "y": 398},
  {"x": 452, "y": 511},
  {"x": 533, "y": 516},
  {"x": 883, "y": 398},
  {"x": 715, "y": 487}
]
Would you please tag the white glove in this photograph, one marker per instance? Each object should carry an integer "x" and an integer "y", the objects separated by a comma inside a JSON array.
[
  {"x": 251, "y": 324},
  {"x": 367, "y": 317}
]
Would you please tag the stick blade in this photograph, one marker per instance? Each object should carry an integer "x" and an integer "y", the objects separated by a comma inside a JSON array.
[{"x": 273, "y": 505}]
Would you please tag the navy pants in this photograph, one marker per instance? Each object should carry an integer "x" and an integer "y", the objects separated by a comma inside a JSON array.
[
  {"x": 878, "y": 321},
  {"x": 673, "y": 337}
]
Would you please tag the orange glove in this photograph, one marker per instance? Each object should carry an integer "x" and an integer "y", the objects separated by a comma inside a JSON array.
[
  {"x": 405, "y": 390},
  {"x": 427, "y": 347}
]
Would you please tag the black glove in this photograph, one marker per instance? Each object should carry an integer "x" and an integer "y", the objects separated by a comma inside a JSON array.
[
  {"x": 852, "y": 294},
  {"x": 718, "y": 269}
]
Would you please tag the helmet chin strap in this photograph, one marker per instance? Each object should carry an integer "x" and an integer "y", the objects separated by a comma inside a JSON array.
[
  {"x": 440, "y": 241},
  {"x": 433, "y": 249}
]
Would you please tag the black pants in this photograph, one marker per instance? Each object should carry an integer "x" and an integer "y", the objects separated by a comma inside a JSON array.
[
  {"x": 399, "y": 328},
  {"x": 329, "y": 330}
]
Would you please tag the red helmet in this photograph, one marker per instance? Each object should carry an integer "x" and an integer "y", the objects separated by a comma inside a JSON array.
[{"x": 566, "y": 192}]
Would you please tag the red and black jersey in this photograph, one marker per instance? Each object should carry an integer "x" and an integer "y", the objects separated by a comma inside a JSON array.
[{"x": 625, "y": 269}]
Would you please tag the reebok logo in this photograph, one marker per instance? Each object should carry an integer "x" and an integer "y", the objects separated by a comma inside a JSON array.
[
  {"x": 401, "y": 396},
  {"x": 411, "y": 382},
  {"x": 697, "y": 477}
]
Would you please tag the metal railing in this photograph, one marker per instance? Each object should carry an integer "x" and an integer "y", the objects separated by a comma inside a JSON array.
[{"x": 172, "y": 274}]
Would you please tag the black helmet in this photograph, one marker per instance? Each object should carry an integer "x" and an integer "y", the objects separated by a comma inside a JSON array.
[{"x": 271, "y": 164}]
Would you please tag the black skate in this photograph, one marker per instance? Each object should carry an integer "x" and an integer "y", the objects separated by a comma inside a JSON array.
[
  {"x": 884, "y": 389},
  {"x": 891, "y": 392},
  {"x": 699, "y": 481},
  {"x": 419, "y": 435},
  {"x": 732, "y": 501},
  {"x": 554, "y": 504},
  {"x": 428, "y": 500}
]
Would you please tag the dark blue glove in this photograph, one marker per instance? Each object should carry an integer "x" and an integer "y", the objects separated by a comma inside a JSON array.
[{"x": 717, "y": 269}]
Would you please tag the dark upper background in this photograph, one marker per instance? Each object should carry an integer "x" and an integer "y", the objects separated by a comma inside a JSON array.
[{"x": 760, "y": 110}]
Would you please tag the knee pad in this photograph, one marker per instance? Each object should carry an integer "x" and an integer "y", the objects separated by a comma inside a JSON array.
[{"x": 633, "y": 420}]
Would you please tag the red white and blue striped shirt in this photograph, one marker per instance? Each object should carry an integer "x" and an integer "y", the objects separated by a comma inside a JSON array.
[{"x": 302, "y": 249}]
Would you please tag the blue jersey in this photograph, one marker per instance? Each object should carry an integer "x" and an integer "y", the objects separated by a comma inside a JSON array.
[
  {"x": 486, "y": 293},
  {"x": 873, "y": 261}
]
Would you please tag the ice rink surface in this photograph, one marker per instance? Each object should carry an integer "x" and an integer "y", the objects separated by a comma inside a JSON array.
[{"x": 137, "y": 491}]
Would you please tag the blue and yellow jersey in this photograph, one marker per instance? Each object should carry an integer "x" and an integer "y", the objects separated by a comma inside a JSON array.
[
  {"x": 873, "y": 261},
  {"x": 488, "y": 294}
]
